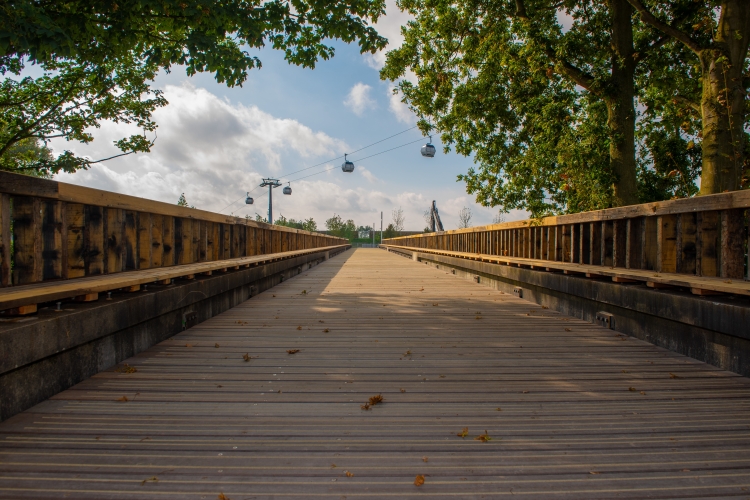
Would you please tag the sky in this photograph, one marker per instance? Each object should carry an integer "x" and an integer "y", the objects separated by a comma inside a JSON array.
[{"x": 216, "y": 143}]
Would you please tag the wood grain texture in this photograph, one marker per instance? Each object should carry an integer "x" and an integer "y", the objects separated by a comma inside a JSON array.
[{"x": 552, "y": 392}]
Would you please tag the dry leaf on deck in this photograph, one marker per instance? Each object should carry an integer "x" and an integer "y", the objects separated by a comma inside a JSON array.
[
  {"x": 123, "y": 399},
  {"x": 188, "y": 345},
  {"x": 402, "y": 390},
  {"x": 292, "y": 351},
  {"x": 126, "y": 368},
  {"x": 419, "y": 480},
  {"x": 672, "y": 375},
  {"x": 349, "y": 474},
  {"x": 326, "y": 330},
  {"x": 568, "y": 330},
  {"x": 425, "y": 459},
  {"x": 246, "y": 356},
  {"x": 631, "y": 389},
  {"x": 407, "y": 353},
  {"x": 483, "y": 437},
  {"x": 222, "y": 496},
  {"x": 304, "y": 292},
  {"x": 299, "y": 327},
  {"x": 216, "y": 346},
  {"x": 464, "y": 432},
  {"x": 153, "y": 478}
]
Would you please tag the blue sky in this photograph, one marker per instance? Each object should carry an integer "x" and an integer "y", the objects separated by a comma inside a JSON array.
[{"x": 215, "y": 143}]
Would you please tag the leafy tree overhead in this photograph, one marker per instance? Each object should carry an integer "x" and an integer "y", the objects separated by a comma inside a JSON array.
[
  {"x": 202, "y": 36},
  {"x": 69, "y": 99},
  {"x": 24, "y": 156},
  {"x": 343, "y": 229},
  {"x": 98, "y": 57},
  {"x": 548, "y": 113}
]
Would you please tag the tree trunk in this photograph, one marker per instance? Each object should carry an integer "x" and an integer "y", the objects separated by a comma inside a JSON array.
[
  {"x": 620, "y": 106},
  {"x": 723, "y": 100}
]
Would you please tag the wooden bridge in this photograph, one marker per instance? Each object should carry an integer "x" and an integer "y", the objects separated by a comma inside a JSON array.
[{"x": 373, "y": 375}]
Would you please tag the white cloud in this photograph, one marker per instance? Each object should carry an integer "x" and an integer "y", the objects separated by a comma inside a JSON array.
[
  {"x": 400, "y": 110},
  {"x": 358, "y": 100},
  {"x": 368, "y": 175},
  {"x": 207, "y": 147},
  {"x": 389, "y": 26}
]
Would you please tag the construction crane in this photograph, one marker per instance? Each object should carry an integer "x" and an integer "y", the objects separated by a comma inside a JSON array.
[{"x": 435, "y": 223}]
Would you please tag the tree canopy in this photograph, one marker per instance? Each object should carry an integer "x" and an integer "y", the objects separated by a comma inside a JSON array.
[
  {"x": 593, "y": 114},
  {"x": 99, "y": 57}
]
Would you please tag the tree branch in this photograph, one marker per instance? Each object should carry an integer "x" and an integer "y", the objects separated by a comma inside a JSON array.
[
  {"x": 642, "y": 54},
  {"x": 687, "y": 102},
  {"x": 648, "y": 18}
]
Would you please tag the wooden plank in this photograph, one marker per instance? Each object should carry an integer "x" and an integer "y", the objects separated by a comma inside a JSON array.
[
  {"x": 52, "y": 240},
  {"x": 144, "y": 241},
  {"x": 608, "y": 239},
  {"x": 619, "y": 243},
  {"x": 666, "y": 244},
  {"x": 203, "y": 241},
  {"x": 93, "y": 240},
  {"x": 157, "y": 246},
  {"x": 168, "y": 241},
  {"x": 54, "y": 290},
  {"x": 196, "y": 242},
  {"x": 634, "y": 238},
  {"x": 686, "y": 233},
  {"x": 732, "y": 238},
  {"x": 707, "y": 244},
  {"x": 595, "y": 231},
  {"x": 5, "y": 234},
  {"x": 649, "y": 236},
  {"x": 27, "y": 240},
  {"x": 114, "y": 246},
  {"x": 130, "y": 240},
  {"x": 75, "y": 220}
]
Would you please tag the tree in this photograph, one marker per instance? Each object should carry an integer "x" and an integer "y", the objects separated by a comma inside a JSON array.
[
  {"x": 182, "y": 202},
  {"x": 338, "y": 227},
  {"x": 24, "y": 155},
  {"x": 98, "y": 56},
  {"x": 69, "y": 99},
  {"x": 548, "y": 113},
  {"x": 464, "y": 218},
  {"x": 202, "y": 36},
  {"x": 720, "y": 43},
  {"x": 398, "y": 219},
  {"x": 310, "y": 225},
  {"x": 390, "y": 232}
]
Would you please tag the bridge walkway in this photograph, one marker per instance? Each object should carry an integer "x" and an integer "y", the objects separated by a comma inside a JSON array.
[{"x": 265, "y": 400}]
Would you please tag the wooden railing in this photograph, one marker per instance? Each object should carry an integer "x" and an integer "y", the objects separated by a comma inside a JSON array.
[
  {"x": 52, "y": 230},
  {"x": 702, "y": 237}
]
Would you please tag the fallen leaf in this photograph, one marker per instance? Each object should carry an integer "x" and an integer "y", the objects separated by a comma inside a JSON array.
[
  {"x": 126, "y": 368},
  {"x": 425, "y": 459},
  {"x": 333, "y": 466},
  {"x": 524, "y": 392},
  {"x": 304, "y": 292},
  {"x": 672, "y": 375},
  {"x": 685, "y": 470},
  {"x": 631, "y": 389},
  {"x": 643, "y": 393},
  {"x": 625, "y": 371},
  {"x": 376, "y": 400},
  {"x": 464, "y": 432},
  {"x": 442, "y": 376},
  {"x": 273, "y": 296},
  {"x": 222, "y": 496},
  {"x": 365, "y": 406},
  {"x": 477, "y": 317},
  {"x": 153, "y": 478},
  {"x": 188, "y": 345},
  {"x": 216, "y": 346},
  {"x": 348, "y": 474},
  {"x": 299, "y": 327},
  {"x": 123, "y": 399},
  {"x": 246, "y": 356},
  {"x": 326, "y": 330},
  {"x": 419, "y": 480},
  {"x": 568, "y": 330},
  {"x": 434, "y": 304},
  {"x": 407, "y": 353},
  {"x": 483, "y": 437},
  {"x": 403, "y": 390},
  {"x": 499, "y": 409},
  {"x": 292, "y": 351},
  {"x": 594, "y": 472}
]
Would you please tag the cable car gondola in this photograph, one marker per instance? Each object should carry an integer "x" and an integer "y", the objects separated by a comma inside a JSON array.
[
  {"x": 287, "y": 190},
  {"x": 248, "y": 200},
  {"x": 347, "y": 166},
  {"x": 428, "y": 150}
]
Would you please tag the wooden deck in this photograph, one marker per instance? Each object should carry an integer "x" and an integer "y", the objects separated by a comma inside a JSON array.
[{"x": 573, "y": 410}]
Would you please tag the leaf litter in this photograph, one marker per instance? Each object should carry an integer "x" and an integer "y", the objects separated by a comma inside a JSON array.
[{"x": 374, "y": 400}]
